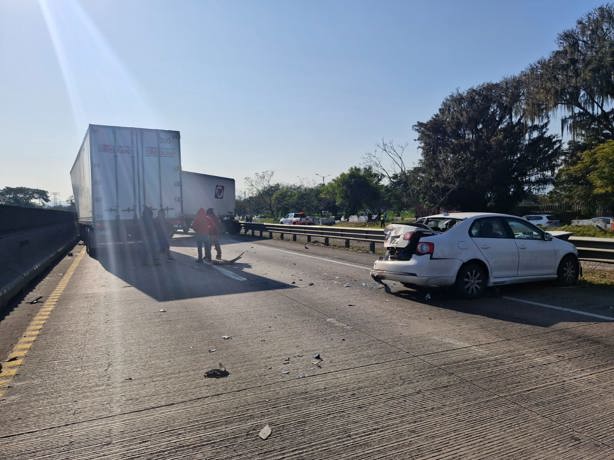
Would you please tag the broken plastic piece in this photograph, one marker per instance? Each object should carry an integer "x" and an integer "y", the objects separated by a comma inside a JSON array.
[{"x": 265, "y": 432}]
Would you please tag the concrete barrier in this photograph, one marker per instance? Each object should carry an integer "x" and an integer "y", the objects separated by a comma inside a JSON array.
[{"x": 27, "y": 252}]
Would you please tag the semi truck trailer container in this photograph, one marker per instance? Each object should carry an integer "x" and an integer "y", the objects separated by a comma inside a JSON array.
[
  {"x": 207, "y": 191},
  {"x": 117, "y": 173}
]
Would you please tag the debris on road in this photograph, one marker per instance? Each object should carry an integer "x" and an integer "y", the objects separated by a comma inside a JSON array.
[
  {"x": 35, "y": 301},
  {"x": 212, "y": 350},
  {"x": 162, "y": 310},
  {"x": 70, "y": 254},
  {"x": 265, "y": 432},
  {"x": 351, "y": 305},
  {"x": 316, "y": 363},
  {"x": 226, "y": 337},
  {"x": 286, "y": 361},
  {"x": 301, "y": 376},
  {"x": 347, "y": 285},
  {"x": 13, "y": 358},
  {"x": 219, "y": 373},
  {"x": 311, "y": 284},
  {"x": 285, "y": 371},
  {"x": 306, "y": 247},
  {"x": 128, "y": 378},
  {"x": 317, "y": 356}
]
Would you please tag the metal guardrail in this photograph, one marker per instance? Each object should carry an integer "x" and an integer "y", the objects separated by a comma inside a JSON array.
[
  {"x": 371, "y": 236},
  {"x": 596, "y": 249}
]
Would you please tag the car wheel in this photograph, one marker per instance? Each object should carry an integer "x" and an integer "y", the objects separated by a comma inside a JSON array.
[
  {"x": 568, "y": 271},
  {"x": 471, "y": 281}
]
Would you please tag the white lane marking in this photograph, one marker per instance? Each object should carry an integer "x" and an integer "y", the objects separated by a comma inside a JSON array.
[
  {"x": 227, "y": 273},
  {"x": 554, "y": 307},
  {"x": 321, "y": 258}
]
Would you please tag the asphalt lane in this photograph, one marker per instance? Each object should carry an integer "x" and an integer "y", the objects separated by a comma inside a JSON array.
[{"x": 117, "y": 370}]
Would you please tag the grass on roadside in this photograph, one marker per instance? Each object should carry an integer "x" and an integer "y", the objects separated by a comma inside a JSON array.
[
  {"x": 597, "y": 277},
  {"x": 584, "y": 230}
]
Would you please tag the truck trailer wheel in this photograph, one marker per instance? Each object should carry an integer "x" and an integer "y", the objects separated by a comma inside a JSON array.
[{"x": 89, "y": 240}]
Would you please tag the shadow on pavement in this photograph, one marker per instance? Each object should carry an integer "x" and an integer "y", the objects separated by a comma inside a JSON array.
[
  {"x": 494, "y": 306},
  {"x": 182, "y": 278}
]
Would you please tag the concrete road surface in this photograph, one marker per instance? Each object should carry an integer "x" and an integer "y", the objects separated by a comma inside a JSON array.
[{"x": 112, "y": 364}]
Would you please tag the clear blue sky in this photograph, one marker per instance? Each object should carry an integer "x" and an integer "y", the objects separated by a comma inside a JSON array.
[{"x": 299, "y": 87}]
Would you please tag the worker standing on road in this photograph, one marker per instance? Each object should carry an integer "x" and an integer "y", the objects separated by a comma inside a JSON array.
[
  {"x": 201, "y": 227},
  {"x": 163, "y": 234},
  {"x": 215, "y": 226}
]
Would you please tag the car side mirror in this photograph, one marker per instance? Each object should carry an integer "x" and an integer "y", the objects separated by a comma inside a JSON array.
[{"x": 547, "y": 237}]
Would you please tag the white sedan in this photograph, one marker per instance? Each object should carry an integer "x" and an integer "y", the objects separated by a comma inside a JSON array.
[{"x": 472, "y": 251}]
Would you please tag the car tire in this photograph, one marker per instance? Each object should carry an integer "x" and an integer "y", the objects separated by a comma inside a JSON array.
[
  {"x": 568, "y": 271},
  {"x": 471, "y": 281}
]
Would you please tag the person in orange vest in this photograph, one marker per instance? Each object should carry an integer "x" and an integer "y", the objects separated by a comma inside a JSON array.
[
  {"x": 207, "y": 227},
  {"x": 201, "y": 227}
]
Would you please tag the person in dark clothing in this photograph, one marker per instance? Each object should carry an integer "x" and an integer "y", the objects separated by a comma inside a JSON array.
[
  {"x": 163, "y": 234},
  {"x": 148, "y": 235},
  {"x": 214, "y": 225}
]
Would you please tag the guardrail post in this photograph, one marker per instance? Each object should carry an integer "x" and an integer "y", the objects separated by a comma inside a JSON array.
[
  {"x": 309, "y": 238},
  {"x": 326, "y": 242},
  {"x": 281, "y": 236},
  {"x": 372, "y": 247},
  {"x": 294, "y": 237},
  {"x": 260, "y": 233},
  {"x": 252, "y": 232},
  {"x": 347, "y": 243},
  {"x": 271, "y": 235}
]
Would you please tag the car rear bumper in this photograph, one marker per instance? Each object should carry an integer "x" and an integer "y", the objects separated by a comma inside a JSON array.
[{"x": 418, "y": 271}]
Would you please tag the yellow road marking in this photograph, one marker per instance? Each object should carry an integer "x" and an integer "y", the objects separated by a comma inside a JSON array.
[
  {"x": 21, "y": 346},
  {"x": 20, "y": 350},
  {"x": 14, "y": 363}
]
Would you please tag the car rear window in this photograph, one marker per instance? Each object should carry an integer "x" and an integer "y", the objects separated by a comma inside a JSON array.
[
  {"x": 489, "y": 228},
  {"x": 440, "y": 224}
]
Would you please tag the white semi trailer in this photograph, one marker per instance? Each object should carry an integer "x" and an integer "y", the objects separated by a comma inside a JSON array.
[
  {"x": 117, "y": 173},
  {"x": 207, "y": 191}
]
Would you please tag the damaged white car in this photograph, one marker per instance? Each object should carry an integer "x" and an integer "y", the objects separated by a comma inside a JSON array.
[{"x": 472, "y": 251}]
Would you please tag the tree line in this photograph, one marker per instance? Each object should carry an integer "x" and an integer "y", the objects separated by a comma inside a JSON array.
[{"x": 491, "y": 147}]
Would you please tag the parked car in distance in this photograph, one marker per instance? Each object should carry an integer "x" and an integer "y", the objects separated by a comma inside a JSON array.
[
  {"x": 604, "y": 223},
  {"x": 296, "y": 218},
  {"x": 543, "y": 220},
  {"x": 472, "y": 251}
]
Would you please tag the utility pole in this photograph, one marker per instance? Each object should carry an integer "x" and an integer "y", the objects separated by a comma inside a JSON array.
[{"x": 323, "y": 177}]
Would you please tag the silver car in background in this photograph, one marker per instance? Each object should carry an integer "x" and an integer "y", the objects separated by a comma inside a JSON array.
[{"x": 472, "y": 251}]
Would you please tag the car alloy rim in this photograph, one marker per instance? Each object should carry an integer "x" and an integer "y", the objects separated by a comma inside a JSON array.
[
  {"x": 569, "y": 271},
  {"x": 473, "y": 281}
]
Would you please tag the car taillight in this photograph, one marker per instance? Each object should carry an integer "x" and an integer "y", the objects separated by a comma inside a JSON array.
[
  {"x": 425, "y": 248},
  {"x": 407, "y": 235}
]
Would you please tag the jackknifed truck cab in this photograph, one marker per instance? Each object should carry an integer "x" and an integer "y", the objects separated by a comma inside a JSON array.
[{"x": 117, "y": 173}]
